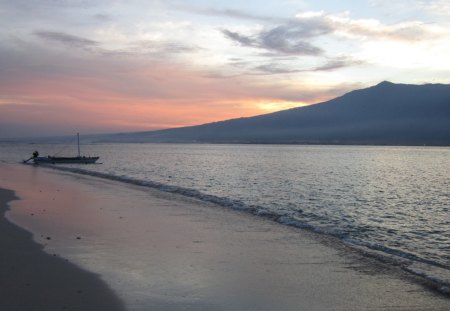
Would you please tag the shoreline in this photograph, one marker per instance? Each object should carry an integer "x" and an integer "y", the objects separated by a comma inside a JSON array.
[
  {"x": 31, "y": 279},
  {"x": 434, "y": 277},
  {"x": 170, "y": 252}
]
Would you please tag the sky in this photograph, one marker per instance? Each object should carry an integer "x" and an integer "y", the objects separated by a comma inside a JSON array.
[{"x": 97, "y": 66}]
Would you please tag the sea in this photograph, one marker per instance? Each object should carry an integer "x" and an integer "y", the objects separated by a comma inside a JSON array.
[{"x": 389, "y": 202}]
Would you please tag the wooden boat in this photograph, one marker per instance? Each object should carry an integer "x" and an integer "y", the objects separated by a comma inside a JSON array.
[{"x": 63, "y": 160}]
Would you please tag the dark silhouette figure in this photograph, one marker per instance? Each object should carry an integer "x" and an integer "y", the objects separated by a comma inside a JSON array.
[{"x": 34, "y": 156}]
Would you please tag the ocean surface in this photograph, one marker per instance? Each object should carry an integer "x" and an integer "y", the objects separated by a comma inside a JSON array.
[{"x": 394, "y": 201}]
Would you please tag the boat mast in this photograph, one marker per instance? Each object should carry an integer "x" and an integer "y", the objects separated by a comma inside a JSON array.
[{"x": 78, "y": 138}]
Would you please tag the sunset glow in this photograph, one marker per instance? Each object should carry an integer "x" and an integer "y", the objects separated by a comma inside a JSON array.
[{"x": 101, "y": 66}]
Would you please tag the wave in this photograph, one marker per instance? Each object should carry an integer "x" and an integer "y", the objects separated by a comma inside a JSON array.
[{"x": 436, "y": 275}]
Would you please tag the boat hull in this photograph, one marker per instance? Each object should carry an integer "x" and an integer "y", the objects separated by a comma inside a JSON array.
[{"x": 65, "y": 160}]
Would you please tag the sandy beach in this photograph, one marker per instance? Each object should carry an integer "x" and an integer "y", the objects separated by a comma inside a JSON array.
[
  {"x": 103, "y": 245},
  {"x": 31, "y": 279}
]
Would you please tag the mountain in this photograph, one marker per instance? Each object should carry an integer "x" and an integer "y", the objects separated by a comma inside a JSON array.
[{"x": 385, "y": 114}]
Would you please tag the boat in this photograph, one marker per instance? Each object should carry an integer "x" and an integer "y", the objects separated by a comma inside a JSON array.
[{"x": 63, "y": 160}]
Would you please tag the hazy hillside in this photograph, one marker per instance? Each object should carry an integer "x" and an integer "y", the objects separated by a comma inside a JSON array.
[{"x": 383, "y": 114}]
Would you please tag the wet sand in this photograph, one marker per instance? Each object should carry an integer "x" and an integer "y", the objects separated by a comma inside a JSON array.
[
  {"x": 31, "y": 279},
  {"x": 161, "y": 251}
]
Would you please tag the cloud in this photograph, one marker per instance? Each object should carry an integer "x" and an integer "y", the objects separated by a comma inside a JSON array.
[
  {"x": 294, "y": 36},
  {"x": 67, "y": 39},
  {"x": 162, "y": 47},
  {"x": 102, "y": 17},
  {"x": 329, "y": 65},
  {"x": 291, "y": 37},
  {"x": 50, "y": 4},
  {"x": 408, "y": 31},
  {"x": 244, "y": 40},
  {"x": 237, "y": 14},
  {"x": 272, "y": 68},
  {"x": 23, "y": 12},
  {"x": 438, "y": 8},
  {"x": 281, "y": 40},
  {"x": 150, "y": 48},
  {"x": 337, "y": 63},
  {"x": 316, "y": 94}
]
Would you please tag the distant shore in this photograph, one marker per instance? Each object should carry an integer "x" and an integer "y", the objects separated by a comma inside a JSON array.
[
  {"x": 161, "y": 251},
  {"x": 89, "y": 140},
  {"x": 31, "y": 279}
]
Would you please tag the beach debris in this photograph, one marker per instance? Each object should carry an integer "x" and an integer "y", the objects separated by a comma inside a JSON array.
[
  {"x": 48, "y": 238},
  {"x": 78, "y": 238}
]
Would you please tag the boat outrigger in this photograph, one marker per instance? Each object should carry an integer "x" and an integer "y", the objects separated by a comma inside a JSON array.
[{"x": 63, "y": 160}]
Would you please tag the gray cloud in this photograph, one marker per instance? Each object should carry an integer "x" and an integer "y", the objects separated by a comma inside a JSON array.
[
  {"x": 337, "y": 63},
  {"x": 163, "y": 47},
  {"x": 329, "y": 65},
  {"x": 66, "y": 39},
  {"x": 151, "y": 49},
  {"x": 166, "y": 49},
  {"x": 291, "y": 37},
  {"x": 274, "y": 69},
  {"x": 279, "y": 39},
  {"x": 244, "y": 40},
  {"x": 288, "y": 40}
]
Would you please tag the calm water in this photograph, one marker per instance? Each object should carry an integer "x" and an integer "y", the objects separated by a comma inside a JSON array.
[{"x": 394, "y": 199}]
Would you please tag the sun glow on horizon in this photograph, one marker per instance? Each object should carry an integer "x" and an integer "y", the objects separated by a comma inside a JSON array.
[{"x": 277, "y": 106}]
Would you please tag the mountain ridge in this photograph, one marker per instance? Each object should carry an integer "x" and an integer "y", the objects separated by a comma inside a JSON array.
[{"x": 383, "y": 114}]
